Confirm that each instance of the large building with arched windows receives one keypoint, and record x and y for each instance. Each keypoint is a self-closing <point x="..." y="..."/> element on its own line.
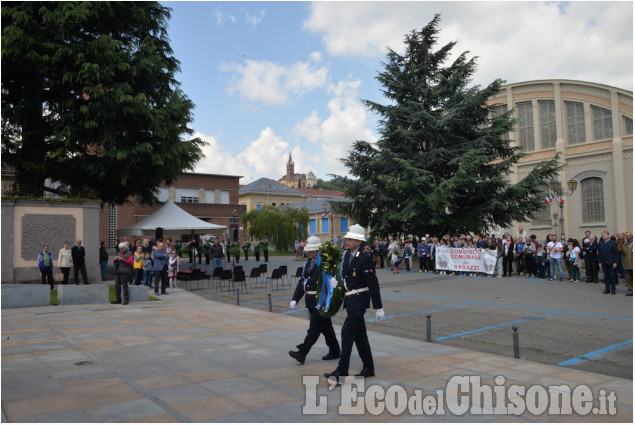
<point x="591" y="126"/>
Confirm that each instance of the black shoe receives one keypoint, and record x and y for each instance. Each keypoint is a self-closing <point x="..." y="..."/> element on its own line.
<point x="115" y="302"/>
<point x="330" y="356"/>
<point x="335" y="375"/>
<point x="157" y="294"/>
<point x="630" y="294"/>
<point x="613" y="292"/>
<point x="86" y="283"/>
<point x="606" y="292"/>
<point x="165" y="293"/>
<point x="124" y="303"/>
<point x="366" y="373"/>
<point x="298" y="356"/>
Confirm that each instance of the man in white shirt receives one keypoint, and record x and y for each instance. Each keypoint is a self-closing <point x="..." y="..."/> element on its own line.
<point x="555" y="248"/>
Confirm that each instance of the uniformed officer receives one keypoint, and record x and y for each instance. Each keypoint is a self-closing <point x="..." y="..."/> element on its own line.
<point x="318" y="324"/>
<point x="361" y="286"/>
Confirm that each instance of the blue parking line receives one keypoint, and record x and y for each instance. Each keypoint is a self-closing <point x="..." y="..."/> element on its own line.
<point x="522" y="307"/>
<point x="486" y="328"/>
<point x="421" y="311"/>
<point x="594" y="354"/>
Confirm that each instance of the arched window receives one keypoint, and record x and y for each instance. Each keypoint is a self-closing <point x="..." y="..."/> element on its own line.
<point x="592" y="200"/>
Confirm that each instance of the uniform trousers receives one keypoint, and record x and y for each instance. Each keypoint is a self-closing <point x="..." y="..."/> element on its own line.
<point x="354" y="331"/>
<point x="319" y="325"/>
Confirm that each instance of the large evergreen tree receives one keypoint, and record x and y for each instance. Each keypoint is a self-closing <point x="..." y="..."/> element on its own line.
<point x="89" y="98"/>
<point x="441" y="164"/>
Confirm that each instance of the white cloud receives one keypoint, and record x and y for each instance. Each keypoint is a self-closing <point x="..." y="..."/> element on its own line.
<point x="221" y="16"/>
<point x="267" y="155"/>
<point x="274" y="84"/>
<point x="516" y="41"/>
<point x="219" y="161"/>
<point x="254" y="19"/>
<point x="333" y="137"/>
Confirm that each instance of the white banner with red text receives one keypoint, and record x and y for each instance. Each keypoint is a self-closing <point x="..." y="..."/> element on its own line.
<point x="466" y="260"/>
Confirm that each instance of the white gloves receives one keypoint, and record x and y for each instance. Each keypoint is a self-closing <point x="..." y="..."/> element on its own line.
<point x="293" y="304"/>
<point x="333" y="282"/>
<point x="379" y="314"/>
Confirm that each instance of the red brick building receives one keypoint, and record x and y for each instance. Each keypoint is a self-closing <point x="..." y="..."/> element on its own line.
<point x="209" y="197"/>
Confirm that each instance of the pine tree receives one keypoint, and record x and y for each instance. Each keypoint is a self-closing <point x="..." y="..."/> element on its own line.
<point x="441" y="163"/>
<point x="89" y="99"/>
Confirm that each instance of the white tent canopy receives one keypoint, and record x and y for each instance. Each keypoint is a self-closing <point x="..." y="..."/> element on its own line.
<point x="172" y="219"/>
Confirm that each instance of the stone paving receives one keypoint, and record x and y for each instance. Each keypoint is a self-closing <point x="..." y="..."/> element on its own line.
<point x="188" y="359"/>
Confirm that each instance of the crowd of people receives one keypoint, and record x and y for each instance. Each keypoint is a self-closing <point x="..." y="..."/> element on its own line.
<point x="522" y="255"/>
<point x="156" y="262"/>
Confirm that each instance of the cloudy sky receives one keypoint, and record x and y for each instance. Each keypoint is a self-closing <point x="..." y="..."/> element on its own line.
<point x="273" y="78"/>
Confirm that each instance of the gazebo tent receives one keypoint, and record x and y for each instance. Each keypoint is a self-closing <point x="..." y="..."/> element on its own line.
<point x="171" y="218"/>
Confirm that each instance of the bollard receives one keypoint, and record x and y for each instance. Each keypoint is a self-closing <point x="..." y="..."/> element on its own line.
<point x="237" y="296"/>
<point x="270" y="308"/>
<point x="516" y="345"/>
<point x="428" y="328"/>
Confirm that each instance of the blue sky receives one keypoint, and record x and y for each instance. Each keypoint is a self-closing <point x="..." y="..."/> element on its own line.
<point x="273" y="78"/>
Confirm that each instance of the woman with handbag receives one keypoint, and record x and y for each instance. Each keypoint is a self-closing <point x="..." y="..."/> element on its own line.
<point x="64" y="262"/>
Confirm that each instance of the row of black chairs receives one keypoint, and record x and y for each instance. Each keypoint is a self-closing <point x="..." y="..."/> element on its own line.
<point x="257" y="278"/>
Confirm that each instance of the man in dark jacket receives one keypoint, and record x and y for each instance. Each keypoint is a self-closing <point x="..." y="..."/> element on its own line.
<point x="318" y="325"/>
<point x="607" y="257"/>
<point x="590" y="250"/>
<point x="78" y="253"/>
<point x="361" y="286"/>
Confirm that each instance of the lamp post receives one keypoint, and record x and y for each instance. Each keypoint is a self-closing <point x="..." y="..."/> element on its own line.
<point x="325" y="206"/>
<point x="558" y="190"/>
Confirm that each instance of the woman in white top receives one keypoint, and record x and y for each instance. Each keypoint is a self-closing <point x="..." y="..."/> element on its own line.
<point x="574" y="258"/>
<point x="64" y="262"/>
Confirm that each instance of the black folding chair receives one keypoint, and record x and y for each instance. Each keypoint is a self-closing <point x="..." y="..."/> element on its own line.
<point x="239" y="277"/>
<point x="255" y="274"/>
<point x="226" y="275"/>
<point x="263" y="271"/>
<point x="283" y="273"/>
<point x="216" y="276"/>
<point x="298" y="274"/>
<point x="275" y="275"/>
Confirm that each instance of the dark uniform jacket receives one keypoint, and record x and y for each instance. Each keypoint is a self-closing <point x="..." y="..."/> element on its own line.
<point x="359" y="272"/>
<point x="607" y="252"/>
<point x="590" y="251"/>
<point x="308" y="282"/>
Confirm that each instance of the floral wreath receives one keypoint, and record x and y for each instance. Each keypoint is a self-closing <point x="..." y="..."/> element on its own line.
<point x="330" y="295"/>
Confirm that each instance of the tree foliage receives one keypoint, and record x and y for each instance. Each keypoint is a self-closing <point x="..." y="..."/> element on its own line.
<point x="441" y="164"/>
<point x="282" y="226"/>
<point x="89" y="98"/>
<point x="330" y="185"/>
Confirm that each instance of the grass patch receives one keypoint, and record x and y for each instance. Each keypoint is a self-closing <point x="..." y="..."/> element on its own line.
<point x="54" y="297"/>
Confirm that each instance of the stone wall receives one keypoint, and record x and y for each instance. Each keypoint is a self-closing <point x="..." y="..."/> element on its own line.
<point x="29" y="224"/>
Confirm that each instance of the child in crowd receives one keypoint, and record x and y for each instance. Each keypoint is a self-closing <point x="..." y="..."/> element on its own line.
<point x="147" y="269"/>
<point x="395" y="261"/>
<point x="173" y="268"/>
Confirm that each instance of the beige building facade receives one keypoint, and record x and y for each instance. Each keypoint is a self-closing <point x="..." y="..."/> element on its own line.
<point x="591" y="126"/>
